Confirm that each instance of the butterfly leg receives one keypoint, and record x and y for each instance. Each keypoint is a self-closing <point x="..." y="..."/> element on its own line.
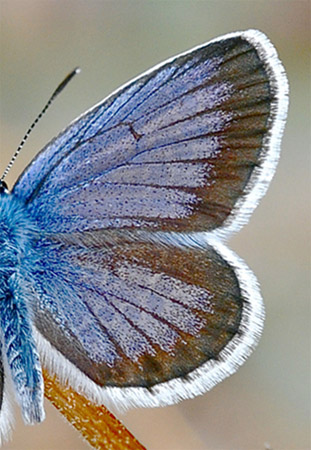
<point x="20" y="351"/>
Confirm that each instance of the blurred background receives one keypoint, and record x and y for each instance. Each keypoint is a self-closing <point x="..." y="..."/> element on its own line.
<point x="266" y="404"/>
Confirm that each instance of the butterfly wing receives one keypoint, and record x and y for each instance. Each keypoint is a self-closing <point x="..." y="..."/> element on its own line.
<point x="181" y="148"/>
<point x="122" y="311"/>
<point x="140" y="313"/>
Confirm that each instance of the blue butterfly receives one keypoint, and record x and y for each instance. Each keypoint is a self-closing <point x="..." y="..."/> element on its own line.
<point x="113" y="270"/>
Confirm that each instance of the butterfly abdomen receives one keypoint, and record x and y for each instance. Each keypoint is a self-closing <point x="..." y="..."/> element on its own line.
<point x="18" y="345"/>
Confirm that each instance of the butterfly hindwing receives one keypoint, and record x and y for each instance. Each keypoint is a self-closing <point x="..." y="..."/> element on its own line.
<point x="137" y="312"/>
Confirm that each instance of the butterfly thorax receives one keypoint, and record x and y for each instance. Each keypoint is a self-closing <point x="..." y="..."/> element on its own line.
<point x="16" y="230"/>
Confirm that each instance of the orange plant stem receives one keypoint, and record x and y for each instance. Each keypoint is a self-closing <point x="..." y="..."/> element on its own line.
<point x="97" y="424"/>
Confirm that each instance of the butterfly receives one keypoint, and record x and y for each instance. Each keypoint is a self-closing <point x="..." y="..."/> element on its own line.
<point x="114" y="273"/>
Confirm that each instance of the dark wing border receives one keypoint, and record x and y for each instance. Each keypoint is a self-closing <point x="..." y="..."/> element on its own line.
<point x="263" y="173"/>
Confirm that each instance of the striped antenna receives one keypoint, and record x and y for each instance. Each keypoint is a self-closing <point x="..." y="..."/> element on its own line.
<point x="57" y="91"/>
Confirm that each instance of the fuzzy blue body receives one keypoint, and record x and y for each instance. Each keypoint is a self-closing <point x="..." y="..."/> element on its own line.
<point x="17" y="256"/>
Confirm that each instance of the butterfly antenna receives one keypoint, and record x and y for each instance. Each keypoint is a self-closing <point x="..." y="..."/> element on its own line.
<point x="57" y="91"/>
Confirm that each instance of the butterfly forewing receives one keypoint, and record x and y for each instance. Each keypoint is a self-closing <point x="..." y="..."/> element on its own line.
<point x="174" y="150"/>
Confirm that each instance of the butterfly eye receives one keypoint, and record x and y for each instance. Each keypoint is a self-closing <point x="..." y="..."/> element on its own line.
<point x="3" y="187"/>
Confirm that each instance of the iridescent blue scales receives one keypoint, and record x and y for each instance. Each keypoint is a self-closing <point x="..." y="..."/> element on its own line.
<point x="120" y="280"/>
